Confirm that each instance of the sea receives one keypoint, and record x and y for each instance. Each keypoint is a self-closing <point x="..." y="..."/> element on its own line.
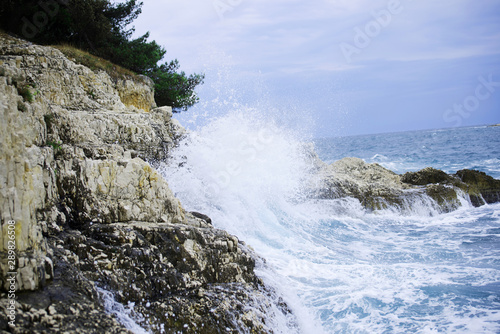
<point x="339" y="267"/>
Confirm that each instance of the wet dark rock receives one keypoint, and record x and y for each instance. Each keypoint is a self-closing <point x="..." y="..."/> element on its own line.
<point x="205" y="310"/>
<point x="69" y="304"/>
<point x="179" y="277"/>
<point x="426" y="176"/>
<point x="482" y="188"/>
<point x="202" y="216"/>
<point x="176" y="275"/>
<point x="445" y="195"/>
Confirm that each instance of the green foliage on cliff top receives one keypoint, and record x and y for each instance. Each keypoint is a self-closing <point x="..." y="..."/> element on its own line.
<point x="94" y="62"/>
<point x="173" y="88"/>
<point x="100" y="28"/>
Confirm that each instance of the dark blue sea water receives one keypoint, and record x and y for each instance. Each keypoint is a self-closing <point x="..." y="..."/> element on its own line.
<point x="447" y="149"/>
<point x="340" y="268"/>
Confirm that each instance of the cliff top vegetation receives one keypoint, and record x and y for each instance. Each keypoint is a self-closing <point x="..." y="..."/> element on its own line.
<point x="96" y="34"/>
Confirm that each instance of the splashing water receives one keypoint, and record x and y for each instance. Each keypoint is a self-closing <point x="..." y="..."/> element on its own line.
<point x="124" y="314"/>
<point x="341" y="269"/>
<point x="244" y="179"/>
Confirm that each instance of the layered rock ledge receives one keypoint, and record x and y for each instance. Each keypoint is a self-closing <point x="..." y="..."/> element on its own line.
<point x="90" y="212"/>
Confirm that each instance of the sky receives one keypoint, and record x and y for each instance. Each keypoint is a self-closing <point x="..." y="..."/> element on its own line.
<point x="337" y="67"/>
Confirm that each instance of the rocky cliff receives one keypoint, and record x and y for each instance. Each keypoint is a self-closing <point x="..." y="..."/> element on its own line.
<point x="88" y="211"/>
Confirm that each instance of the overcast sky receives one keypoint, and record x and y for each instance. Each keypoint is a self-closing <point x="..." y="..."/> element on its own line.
<point x="337" y="67"/>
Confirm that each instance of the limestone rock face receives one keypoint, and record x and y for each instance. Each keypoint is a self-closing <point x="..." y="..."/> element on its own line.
<point x="65" y="83"/>
<point x="374" y="186"/>
<point x="147" y="135"/>
<point x="137" y="94"/>
<point x="48" y="103"/>
<point x="88" y="211"/>
<point x="26" y="184"/>
<point x="107" y="191"/>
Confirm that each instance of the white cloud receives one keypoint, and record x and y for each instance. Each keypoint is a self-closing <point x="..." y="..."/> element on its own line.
<point x="294" y="37"/>
<point x="270" y="33"/>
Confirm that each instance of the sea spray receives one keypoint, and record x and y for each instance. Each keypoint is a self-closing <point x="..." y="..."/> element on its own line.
<point x="245" y="171"/>
<point x="240" y="156"/>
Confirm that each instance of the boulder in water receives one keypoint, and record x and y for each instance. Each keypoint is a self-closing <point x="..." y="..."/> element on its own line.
<point x="373" y="185"/>
<point x="378" y="188"/>
<point x="481" y="188"/>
